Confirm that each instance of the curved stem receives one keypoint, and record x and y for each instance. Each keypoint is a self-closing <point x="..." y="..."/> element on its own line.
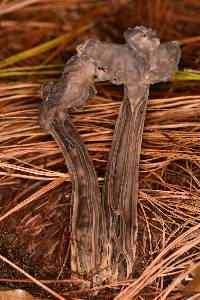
<point x="87" y="226"/>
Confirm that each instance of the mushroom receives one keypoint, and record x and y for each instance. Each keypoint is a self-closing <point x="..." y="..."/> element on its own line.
<point x="104" y="228"/>
<point x="87" y="216"/>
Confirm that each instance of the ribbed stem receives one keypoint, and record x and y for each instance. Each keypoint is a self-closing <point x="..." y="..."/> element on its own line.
<point x="121" y="184"/>
<point x="88" y="225"/>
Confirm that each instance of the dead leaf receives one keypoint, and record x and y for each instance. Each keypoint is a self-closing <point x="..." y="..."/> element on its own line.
<point x="17" y="294"/>
<point x="194" y="285"/>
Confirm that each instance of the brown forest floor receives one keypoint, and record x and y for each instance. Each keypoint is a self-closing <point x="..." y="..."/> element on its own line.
<point x="34" y="185"/>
